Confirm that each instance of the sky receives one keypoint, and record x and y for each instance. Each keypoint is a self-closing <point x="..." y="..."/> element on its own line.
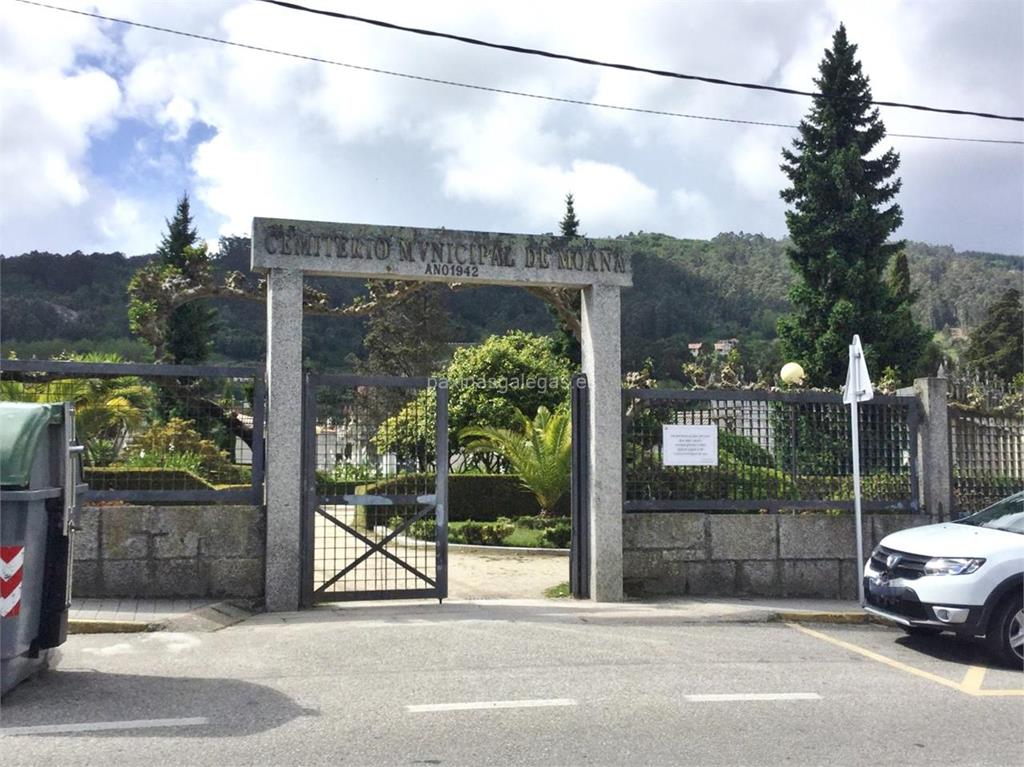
<point x="104" y="126"/>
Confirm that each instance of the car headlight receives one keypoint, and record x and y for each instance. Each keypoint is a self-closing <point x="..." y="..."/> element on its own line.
<point x="952" y="565"/>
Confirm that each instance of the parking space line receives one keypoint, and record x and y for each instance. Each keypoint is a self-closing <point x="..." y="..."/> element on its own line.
<point x="731" y="697"/>
<point x="879" y="658"/>
<point x="973" y="678"/>
<point x="132" y="724"/>
<point x="969" y="685"/>
<point x="490" y="704"/>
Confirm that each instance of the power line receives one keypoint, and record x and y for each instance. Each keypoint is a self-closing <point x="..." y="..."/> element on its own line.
<point x="611" y="65"/>
<point x="471" y="86"/>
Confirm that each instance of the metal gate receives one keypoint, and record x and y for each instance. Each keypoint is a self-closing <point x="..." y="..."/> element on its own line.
<point x="579" y="552"/>
<point x="375" y="518"/>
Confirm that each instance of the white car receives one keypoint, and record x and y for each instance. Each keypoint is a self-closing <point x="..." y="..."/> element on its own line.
<point x="966" y="577"/>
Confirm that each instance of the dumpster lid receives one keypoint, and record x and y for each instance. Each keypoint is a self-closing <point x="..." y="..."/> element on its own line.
<point x="21" y="425"/>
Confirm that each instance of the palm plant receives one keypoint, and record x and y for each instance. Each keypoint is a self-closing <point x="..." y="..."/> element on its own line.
<point x="107" y="410"/>
<point x="540" y="452"/>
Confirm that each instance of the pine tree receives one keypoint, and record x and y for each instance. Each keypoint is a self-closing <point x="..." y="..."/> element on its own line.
<point x="997" y="344"/>
<point x="569" y="225"/>
<point x="566" y="343"/>
<point x="843" y="214"/>
<point x="190" y="328"/>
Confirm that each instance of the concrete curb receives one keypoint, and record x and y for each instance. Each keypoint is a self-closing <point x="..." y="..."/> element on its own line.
<point x="507" y="551"/>
<point x="827" y="617"/>
<point x="209" y="618"/>
<point x="83" y="626"/>
<point x="213" y="617"/>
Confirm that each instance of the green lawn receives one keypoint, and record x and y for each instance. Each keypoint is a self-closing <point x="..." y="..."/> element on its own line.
<point x="522" y="536"/>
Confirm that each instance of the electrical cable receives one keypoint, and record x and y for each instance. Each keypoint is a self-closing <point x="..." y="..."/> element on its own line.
<point x="471" y="86"/>
<point x="611" y="65"/>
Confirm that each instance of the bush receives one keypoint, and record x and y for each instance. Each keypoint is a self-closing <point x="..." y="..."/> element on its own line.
<point x="480" y="497"/>
<point x="559" y="536"/>
<point x="422" y="529"/>
<point x="541" y="523"/>
<point x="482" y="533"/>
<point x="126" y="478"/>
<point x="177" y="444"/>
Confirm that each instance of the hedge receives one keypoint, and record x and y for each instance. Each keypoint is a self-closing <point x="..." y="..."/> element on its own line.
<point x="147" y="478"/>
<point x="480" y="497"/>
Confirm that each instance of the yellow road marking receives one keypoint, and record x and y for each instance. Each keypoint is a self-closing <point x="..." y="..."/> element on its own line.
<point x="970" y="685"/>
<point x="973" y="678"/>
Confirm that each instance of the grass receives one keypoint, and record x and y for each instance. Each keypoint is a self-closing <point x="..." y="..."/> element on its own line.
<point x="522" y="537"/>
<point x="527" y="539"/>
<point x="561" y="591"/>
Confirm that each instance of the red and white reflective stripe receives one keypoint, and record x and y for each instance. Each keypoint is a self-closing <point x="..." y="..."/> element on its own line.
<point x="11" y="560"/>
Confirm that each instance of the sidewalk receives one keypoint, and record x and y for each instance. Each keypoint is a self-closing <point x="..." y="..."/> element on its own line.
<point x="139" y="610"/>
<point x="678" y="611"/>
<point x="109" y="616"/>
<point x="133" y="615"/>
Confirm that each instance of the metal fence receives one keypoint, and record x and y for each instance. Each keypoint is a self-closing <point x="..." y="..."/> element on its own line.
<point x="986" y="453"/>
<point x="374" y="520"/>
<point x="776" y="451"/>
<point x="156" y="433"/>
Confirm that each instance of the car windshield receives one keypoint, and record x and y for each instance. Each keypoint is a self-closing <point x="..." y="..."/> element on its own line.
<point x="1007" y="514"/>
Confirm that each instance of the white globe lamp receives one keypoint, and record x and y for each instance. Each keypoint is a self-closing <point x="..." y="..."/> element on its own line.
<point x="792" y="373"/>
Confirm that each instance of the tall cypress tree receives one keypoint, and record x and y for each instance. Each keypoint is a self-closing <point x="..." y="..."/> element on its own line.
<point x="190" y="328"/>
<point x="566" y="343"/>
<point x="569" y="225"/>
<point x="843" y="214"/>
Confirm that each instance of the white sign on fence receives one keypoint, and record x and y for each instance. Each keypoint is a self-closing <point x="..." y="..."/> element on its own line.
<point x="683" y="445"/>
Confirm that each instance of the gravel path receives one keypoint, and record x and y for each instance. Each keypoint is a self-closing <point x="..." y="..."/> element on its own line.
<point x="474" y="575"/>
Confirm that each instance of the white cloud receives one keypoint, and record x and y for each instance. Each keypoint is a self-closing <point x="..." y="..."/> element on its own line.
<point x="304" y="139"/>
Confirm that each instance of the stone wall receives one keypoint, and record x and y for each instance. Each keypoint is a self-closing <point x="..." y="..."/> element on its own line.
<point x="170" y="552"/>
<point x="791" y="555"/>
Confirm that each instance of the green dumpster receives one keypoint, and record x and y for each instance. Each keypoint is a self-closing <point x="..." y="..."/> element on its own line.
<point x="39" y="483"/>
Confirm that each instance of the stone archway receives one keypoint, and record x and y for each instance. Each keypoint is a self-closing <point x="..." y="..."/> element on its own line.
<point x="287" y="250"/>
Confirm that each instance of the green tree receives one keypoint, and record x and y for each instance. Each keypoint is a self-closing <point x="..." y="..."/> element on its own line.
<point x="407" y="333"/>
<point x="539" y="451"/>
<point x="490" y="385"/>
<point x="843" y="214"/>
<point x="190" y="327"/>
<point x="567" y="343"/>
<point x="569" y="225"/>
<point x="997" y="344"/>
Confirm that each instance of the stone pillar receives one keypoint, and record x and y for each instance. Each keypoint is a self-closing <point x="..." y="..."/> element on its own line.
<point x="284" y="439"/>
<point x="934" y="470"/>
<point x="602" y="364"/>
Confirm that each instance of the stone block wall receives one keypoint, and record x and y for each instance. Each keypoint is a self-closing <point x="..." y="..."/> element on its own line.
<point x="775" y="555"/>
<point x="170" y="552"/>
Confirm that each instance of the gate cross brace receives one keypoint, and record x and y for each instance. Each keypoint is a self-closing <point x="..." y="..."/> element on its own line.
<point x="375" y="547"/>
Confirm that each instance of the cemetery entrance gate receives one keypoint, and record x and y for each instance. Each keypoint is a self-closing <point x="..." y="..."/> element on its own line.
<point x="375" y="488"/>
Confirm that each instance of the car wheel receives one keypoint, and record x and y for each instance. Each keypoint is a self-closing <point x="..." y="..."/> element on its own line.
<point x="1005" y="636"/>
<point x="922" y="631"/>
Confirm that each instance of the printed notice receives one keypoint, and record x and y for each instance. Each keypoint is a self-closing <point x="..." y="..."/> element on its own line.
<point x="689" y="445"/>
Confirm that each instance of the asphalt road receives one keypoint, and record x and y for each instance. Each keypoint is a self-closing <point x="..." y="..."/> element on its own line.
<point x="545" y="684"/>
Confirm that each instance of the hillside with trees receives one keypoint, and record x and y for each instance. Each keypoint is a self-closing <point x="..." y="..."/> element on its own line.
<point x="734" y="285"/>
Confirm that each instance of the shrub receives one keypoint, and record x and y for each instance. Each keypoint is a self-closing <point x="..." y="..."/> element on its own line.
<point x="125" y="478"/>
<point x="187" y="461"/>
<point x="482" y="533"/>
<point x="559" y="536"/>
<point x="422" y="529"/>
<point x="540" y="523"/>
<point x="480" y="497"/>
<point x="164" y="443"/>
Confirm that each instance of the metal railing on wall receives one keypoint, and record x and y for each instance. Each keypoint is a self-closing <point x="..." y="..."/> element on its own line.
<point x="157" y="433"/>
<point x="986" y="457"/>
<point x="775" y="451"/>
